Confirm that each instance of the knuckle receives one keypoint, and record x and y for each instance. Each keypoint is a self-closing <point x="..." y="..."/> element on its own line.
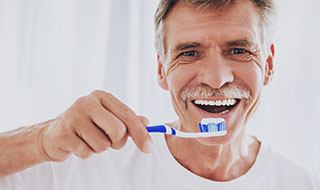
<point x="98" y="93"/>
<point x="69" y="122"/>
<point x="121" y="130"/>
<point x="61" y="136"/>
<point x="85" y="104"/>
<point x="82" y="101"/>
<point x="118" y="133"/>
<point x="62" y="132"/>
<point x="92" y="107"/>
<point x="108" y="94"/>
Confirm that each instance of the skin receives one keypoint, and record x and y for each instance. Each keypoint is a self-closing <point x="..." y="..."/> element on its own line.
<point x="215" y="48"/>
<point x="92" y="124"/>
<point x="99" y="120"/>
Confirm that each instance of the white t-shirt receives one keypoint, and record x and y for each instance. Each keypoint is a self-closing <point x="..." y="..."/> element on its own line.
<point x="129" y="169"/>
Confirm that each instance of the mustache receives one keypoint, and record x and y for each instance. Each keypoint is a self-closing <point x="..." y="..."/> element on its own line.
<point x="204" y="91"/>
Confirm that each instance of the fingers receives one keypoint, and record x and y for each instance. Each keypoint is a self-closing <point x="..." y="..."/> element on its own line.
<point x="119" y="144"/>
<point x="93" y="124"/>
<point x="110" y="124"/>
<point x="83" y="151"/>
<point x="93" y="136"/>
<point x="133" y="123"/>
<point x="144" y="120"/>
<point x="77" y="145"/>
<point x="101" y="138"/>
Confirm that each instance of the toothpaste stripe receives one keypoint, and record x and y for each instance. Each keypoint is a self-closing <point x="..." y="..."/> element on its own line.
<point x="212" y="127"/>
<point x="200" y="127"/>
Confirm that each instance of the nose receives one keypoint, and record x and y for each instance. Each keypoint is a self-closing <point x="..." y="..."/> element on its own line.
<point x="215" y="72"/>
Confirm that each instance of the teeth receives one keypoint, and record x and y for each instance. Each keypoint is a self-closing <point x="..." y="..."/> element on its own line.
<point x="225" y="111"/>
<point x="225" y="102"/>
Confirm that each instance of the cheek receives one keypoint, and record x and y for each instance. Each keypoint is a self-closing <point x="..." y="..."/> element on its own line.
<point x="180" y="77"/>
<point x="252" y="77"/>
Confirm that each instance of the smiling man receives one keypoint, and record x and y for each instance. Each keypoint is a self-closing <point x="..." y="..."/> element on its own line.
<point x="214" y="61"/>
<point x="214" y="57"/>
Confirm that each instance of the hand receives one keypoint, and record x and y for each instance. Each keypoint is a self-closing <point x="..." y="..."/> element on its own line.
<point x="92" y="125"/>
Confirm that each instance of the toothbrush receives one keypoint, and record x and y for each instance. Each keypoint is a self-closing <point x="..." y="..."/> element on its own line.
<point x="209" y="127"/>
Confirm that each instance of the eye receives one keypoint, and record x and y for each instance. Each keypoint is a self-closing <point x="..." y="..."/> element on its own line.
<point x="239" y="54"/>
<point x="188" y="56"/>
<point x="189" y="53"/>
<point x="235" y="51"/>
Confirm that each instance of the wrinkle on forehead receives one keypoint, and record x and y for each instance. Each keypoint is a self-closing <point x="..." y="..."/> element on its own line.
<point x="239" y="13"/>
<point x="185" y="19"/>
<point x="209" y="19"/>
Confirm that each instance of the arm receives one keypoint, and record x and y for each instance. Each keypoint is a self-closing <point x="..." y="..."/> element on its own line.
<point x="21" y="149"/>
<point x="91" y="125"/>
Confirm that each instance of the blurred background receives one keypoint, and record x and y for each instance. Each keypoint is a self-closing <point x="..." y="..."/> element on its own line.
<point x="54" y="51"/>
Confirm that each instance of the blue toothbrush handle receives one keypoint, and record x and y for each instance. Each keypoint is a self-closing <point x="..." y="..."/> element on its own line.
<point x="161" y="129"/>
<point x="156" y="129"/>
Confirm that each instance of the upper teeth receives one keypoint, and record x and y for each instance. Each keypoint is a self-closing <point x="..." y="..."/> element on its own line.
<point x="225" y="102"/>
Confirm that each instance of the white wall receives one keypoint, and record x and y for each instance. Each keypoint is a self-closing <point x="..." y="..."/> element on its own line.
<point x="289" y="113"/>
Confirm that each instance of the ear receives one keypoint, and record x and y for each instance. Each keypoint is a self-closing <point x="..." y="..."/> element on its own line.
<point x="269" y="70"/>
<point x="162" y="80"/>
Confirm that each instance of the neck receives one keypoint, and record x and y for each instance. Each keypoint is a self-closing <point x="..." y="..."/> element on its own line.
<point x="215" y="162"/>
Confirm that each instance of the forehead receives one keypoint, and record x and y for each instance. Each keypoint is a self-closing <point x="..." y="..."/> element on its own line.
<point x="187" y="23"/>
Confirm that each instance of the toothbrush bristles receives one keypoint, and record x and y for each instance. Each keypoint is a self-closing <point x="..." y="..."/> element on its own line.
<point x="212" y="127"/>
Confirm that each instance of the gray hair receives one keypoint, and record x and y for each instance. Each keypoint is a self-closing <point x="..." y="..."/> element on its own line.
<point x="266" y="10"/>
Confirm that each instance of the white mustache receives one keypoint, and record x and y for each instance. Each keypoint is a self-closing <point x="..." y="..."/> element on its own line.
<point x="205" y="91"/>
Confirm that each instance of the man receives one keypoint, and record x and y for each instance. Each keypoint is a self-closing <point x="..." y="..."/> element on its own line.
<point x="214" y="57"/>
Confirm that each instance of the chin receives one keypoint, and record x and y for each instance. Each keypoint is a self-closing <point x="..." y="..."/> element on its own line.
<point x="221" y="140"/>
<point x="214" y="141"/>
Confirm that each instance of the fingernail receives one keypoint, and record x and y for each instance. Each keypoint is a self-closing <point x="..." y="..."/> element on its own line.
<point x="148" y="146"/>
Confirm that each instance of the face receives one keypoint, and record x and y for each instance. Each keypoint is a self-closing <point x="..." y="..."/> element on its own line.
<point x="214" y="66"/>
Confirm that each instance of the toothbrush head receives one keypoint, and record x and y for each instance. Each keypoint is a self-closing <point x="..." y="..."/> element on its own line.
<point x="209" y="127"/>
<point x="213" y="125"/>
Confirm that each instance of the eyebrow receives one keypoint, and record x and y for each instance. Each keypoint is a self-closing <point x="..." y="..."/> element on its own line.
<point x="186" y="45"/>
<point x="240" y="42"/>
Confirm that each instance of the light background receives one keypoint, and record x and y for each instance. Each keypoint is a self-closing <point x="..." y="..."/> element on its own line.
<point x="54" y="51"/>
